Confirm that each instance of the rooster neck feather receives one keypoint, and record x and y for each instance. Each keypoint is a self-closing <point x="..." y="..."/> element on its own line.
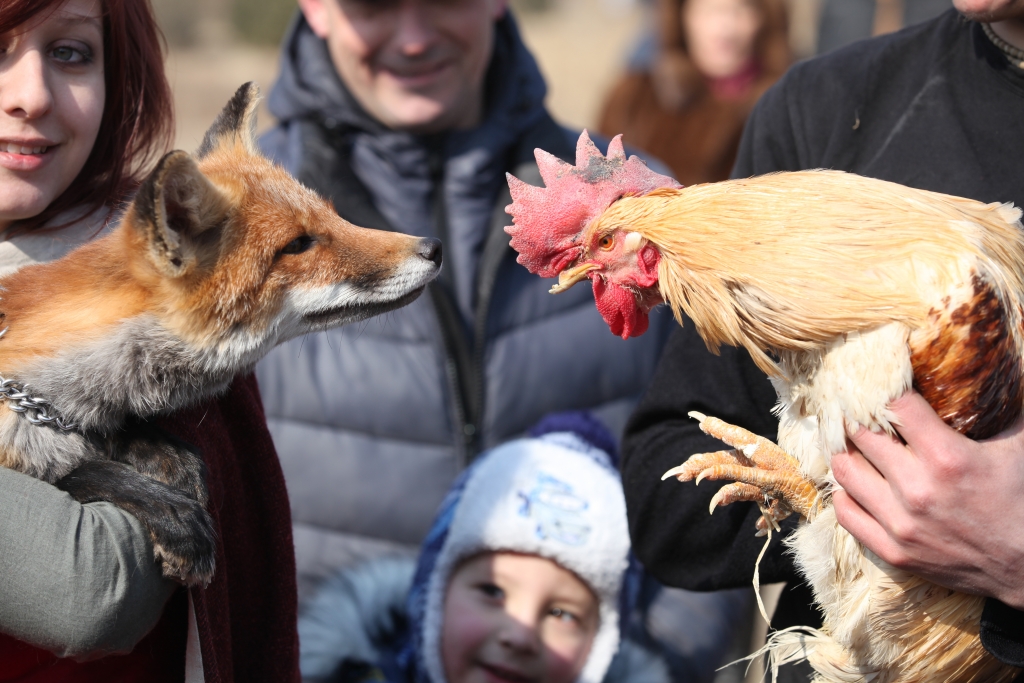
<point x="825" y="254"/>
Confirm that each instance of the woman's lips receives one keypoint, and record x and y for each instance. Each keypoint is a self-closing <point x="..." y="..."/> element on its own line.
<point x="24" y="157"/>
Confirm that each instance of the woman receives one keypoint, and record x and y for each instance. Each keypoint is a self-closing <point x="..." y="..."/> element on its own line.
<point x="715" y="58"/>
<point x="84" y="106"/>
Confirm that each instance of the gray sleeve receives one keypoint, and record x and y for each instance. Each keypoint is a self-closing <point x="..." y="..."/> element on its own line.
<point x="74" y="579"/>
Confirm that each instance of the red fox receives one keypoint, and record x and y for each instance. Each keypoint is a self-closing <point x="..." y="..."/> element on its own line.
<point x="220" y="257"/>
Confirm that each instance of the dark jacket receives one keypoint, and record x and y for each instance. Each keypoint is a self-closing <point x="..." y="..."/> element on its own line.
<point x="373" y="422"/>
<point x="935" y="107"/>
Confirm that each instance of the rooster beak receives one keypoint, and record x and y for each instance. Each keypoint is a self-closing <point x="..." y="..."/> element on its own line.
<point x="567" y="278"/>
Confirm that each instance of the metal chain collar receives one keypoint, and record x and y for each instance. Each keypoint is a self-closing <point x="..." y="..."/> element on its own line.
<point x="36" y="410"/>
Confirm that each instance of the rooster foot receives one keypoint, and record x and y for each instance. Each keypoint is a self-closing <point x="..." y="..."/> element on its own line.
<point x="762" y="472"/>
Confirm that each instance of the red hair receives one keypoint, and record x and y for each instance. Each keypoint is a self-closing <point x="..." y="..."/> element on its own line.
<point x="138" y="115"/>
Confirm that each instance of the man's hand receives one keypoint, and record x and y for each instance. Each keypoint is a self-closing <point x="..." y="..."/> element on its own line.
<point x="944" y="507"/>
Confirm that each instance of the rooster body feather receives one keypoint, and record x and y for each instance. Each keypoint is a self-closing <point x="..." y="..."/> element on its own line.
<point x="848" y="292"/>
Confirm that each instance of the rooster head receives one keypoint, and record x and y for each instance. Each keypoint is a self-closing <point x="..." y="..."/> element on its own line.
<point x="556" y="232"/>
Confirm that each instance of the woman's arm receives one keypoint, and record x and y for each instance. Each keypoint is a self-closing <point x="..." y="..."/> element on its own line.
<point x="76" y="579"/>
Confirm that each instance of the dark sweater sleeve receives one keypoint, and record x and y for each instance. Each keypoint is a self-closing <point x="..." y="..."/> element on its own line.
<point x="769" y="143"/>
<point x="673" y="534"/>
<point x="1002" y="632"/>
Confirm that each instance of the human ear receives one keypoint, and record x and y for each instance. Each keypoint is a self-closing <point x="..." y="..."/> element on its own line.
<point x="316" y="14"/>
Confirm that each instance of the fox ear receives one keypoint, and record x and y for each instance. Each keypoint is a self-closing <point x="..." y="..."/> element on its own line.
<point x="236" y="124"/>
<point x="175" y="209"/>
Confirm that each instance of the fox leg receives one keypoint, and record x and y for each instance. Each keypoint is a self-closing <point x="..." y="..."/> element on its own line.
<point x="161" y="481"/>
<point x="184" y="540"/>
<point x="160" y="455"/>
<point x="763" y="472"/>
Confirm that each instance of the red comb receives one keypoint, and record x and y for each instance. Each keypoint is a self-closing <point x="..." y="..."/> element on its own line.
<point x="549" y="220"/>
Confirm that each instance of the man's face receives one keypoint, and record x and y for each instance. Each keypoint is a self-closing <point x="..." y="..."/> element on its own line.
<point x="991" y="10"/>
<point x="416" y="65"/>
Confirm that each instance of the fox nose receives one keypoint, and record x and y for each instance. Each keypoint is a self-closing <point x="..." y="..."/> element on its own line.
<point x="430" y="249"/>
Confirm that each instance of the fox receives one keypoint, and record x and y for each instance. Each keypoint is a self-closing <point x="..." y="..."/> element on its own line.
<point x="220" y="256"/>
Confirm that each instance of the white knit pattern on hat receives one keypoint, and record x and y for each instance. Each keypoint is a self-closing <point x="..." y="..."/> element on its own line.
<point x="550" y="497"/>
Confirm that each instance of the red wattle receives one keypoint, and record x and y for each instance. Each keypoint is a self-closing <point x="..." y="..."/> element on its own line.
<point x="617" y="306"/>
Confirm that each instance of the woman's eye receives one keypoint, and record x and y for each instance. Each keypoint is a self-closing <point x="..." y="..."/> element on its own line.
<point x="298" y="245"/>
<point x="68" y="54"/>
<point x="606" y="242"/>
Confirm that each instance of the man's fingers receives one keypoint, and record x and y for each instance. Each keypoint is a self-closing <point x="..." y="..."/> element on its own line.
<point x="865" y="528"/>
<point x="918" y="423"/>
<point x="861" y="481"/>
<point x="883" y="451"/>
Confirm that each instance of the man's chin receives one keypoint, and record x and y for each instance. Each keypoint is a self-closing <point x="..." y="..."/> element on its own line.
<point x="415" y="112"/>
<point x="991" y="10"/>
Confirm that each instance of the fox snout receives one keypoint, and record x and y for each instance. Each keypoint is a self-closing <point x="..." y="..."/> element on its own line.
<point x="393" y="270"/>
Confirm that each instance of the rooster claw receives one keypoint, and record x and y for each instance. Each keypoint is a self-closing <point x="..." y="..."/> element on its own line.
<point x="761" y="472"/>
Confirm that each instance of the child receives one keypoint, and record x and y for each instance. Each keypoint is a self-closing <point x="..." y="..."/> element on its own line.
<point x="525" y="576"/>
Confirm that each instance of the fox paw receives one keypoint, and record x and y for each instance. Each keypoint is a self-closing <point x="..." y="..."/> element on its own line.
<point x="185" y="543"/>
<point x="181" y="530"/>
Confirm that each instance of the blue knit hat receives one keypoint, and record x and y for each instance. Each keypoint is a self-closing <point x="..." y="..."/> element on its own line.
<point x="557" y="496"/>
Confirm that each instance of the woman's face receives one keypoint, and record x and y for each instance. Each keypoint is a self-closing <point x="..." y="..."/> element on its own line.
<point x="51" y="103"/>
<point x="720" y="34"/>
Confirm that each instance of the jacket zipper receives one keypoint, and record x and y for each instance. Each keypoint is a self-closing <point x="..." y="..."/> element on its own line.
<point x="460" y="354"/>
<point x="465" y="357"/>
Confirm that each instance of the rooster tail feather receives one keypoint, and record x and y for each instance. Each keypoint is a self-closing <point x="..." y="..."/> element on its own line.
<point x="831" y="661"/>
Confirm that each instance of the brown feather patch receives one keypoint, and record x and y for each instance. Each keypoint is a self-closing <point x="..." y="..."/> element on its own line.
<point x="969" y="369"/>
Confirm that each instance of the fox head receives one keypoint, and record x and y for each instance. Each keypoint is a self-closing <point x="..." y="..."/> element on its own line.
<point x="242" y="248"/>
<point x="220" y="256"/>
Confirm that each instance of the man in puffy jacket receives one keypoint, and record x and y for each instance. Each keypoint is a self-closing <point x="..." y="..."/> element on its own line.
<point x="407" y="114"/>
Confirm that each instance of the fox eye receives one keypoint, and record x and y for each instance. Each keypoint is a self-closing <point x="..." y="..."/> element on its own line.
<point x="606" y="242"/>
<point x="298" y="245"/>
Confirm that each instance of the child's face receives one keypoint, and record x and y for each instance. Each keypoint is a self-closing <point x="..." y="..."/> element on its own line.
<point x="516" y="618"/>
<point x="51" y="104"/>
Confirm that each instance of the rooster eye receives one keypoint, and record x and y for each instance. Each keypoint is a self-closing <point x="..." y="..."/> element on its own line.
<point x="606" y="242"/>
<point x="298" y="245"/>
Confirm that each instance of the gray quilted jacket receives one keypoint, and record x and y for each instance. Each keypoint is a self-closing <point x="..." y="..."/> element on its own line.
<point x="373" y="421"/>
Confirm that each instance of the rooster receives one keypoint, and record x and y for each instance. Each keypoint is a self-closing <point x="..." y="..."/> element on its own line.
<point x="847" y="291"/>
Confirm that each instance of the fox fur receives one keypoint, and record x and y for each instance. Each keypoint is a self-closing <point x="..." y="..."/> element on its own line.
<point x="221" y="256"/>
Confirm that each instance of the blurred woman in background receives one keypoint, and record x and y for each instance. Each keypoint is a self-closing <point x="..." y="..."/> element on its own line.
<point x="714" y="59"/>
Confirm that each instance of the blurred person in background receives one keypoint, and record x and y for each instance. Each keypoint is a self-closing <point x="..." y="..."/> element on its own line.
<point x="688" y="105"/>
<point x="407" y="114"/>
